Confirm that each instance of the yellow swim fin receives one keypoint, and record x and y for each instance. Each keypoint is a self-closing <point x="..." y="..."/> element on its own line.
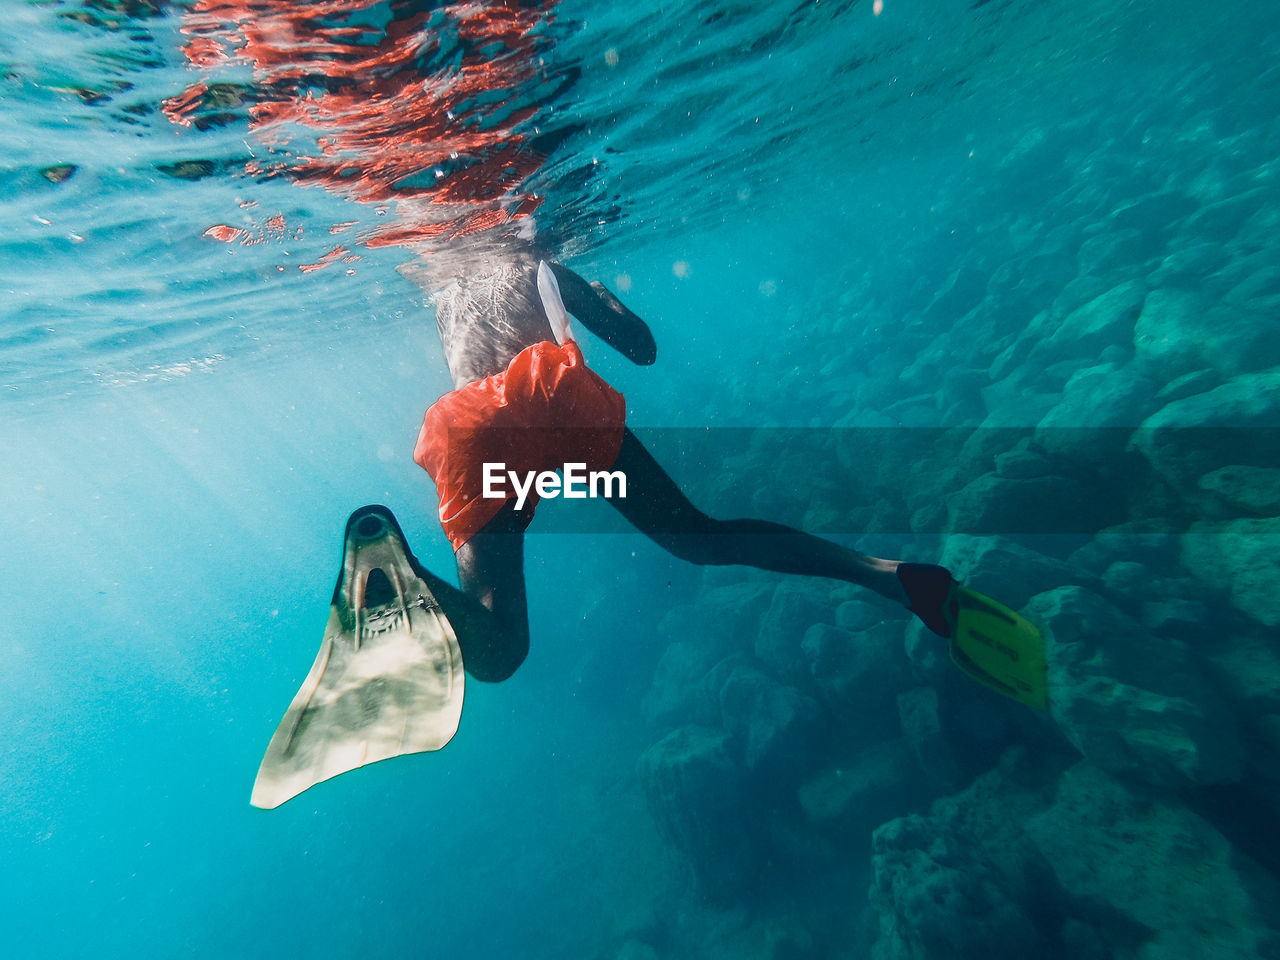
<point x="998" y="647"/>
<point x="388" y="679"/>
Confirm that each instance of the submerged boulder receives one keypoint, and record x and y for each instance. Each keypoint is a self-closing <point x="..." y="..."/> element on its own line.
<point x="1247" y="669"/>
<point x="1084" y="430"/>
<point x="1004" y="568"/>
<point x="675" y="694"/>
<point x="922" y="729"/>
<point x="699" y="799"/>
<point x="1187" y="266"/>
<point x="857" y="674"/>
<point x="963" y="881"/>
<point x="992" y="504"/>
<point x="851" y="798"/>
<point x="1242" y="558"/>
<point x="1253" y="490"/>
<point x="723" y="621"/>
<point x="774" y="727"/>
<point x="1233" y="424"/>
<point x="938" y="898"/>
<point x="795" y="606"/>
<point x="1106" y="319"/>
<point x="1179" y="332"/>
<point x="1223" y="220"/>
<point x="927" y="654"/>
<point x="1122" y="849"/>
<point x="1135" y="705"/>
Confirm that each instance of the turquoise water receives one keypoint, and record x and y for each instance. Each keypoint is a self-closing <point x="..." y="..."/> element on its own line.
<point x="897" y="231"/>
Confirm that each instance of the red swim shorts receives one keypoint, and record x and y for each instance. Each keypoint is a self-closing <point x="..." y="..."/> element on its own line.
<point x="545" y="410"/>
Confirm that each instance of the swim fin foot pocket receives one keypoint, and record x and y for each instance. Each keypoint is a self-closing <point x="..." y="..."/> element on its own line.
<point x="993" y="644"/>
<point x="928" y="588"/>
<point x="388" y="679"/>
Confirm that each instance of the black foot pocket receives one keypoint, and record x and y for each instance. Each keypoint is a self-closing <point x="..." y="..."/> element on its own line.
<point x="928" y="588"/>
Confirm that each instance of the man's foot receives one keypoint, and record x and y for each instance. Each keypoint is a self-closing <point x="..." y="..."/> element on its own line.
<point x="928" y="587"/>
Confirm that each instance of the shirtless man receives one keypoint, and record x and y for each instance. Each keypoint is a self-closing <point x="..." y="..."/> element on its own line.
<point x="388" y="678"/>
<point x="524" y="395"/>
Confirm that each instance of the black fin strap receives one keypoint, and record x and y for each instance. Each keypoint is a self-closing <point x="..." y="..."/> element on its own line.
<point x="928" y="587"/>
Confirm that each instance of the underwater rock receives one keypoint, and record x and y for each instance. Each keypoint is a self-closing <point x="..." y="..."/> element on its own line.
<point x="960" y="293"/>
<point x="1230" y="425"/>
<point x="1021" y="463"/>
<point x="1019" y="400"/>
<point x="773" y="726"/>
<point x="1105" y="320"/>
<point x="938" y="899"/>
<point x="959" y="882"/>
<point x="922" y="730"/>
<point x="851" y="798"/>
<point x="1179" y="332"/>
<point x="920" y="410"/>
<point x="1127" y="581"/>
<point x="857" y="675"/>
<point x="699" y="800"/>
<point x="728" y="611"/>
<point x="1252" y="489"/>
<point x="1135" y="705"/>
<point x="1166" y="606"/>
<point x="59" y="172"/>
<point x="1074" y="294"/>
<point x="977" y="455"/>
<point x="960" y="396"/>
<point x="926" y="653"/>
<point x="1265" y="306"/>
<point x="992" y="504"/>
<point x="1188" y="266"/>
<point x="722" y="621"/>
<point x="676" y="695"/>
<point x="1080" y="431"/>
<point x="1004" y="568"/>
<point x="1008" y="360"/>
<point x="1221" y="221"/>
<point x="856" y="615"/>
<point x="1153" y="212"/>
<point x="1247" y="670"/>
<point x="1178" y="617"/>
<point x="795" y="606"/>
<point x="1120" y="848"/>
<point x="1118" y="250"/>
<point x="930" y="518"/>
<point x="1128" y="541"/>
<point x="1241" y="558"/>
<point x="1197" y="381"/>
<point x="1262" y="281"/>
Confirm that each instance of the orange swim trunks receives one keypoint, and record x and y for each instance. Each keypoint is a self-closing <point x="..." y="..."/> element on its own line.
<point x="545" y="410"/>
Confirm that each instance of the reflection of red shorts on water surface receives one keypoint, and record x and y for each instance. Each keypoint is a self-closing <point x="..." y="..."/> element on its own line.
<point x="545" y="410"/>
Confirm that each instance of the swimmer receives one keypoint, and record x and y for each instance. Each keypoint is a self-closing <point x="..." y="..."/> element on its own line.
<point x="523" y="395"/>
<point x="389" y="681"/>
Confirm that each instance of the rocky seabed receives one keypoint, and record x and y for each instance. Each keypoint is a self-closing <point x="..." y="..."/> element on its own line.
<point x="1093" y="387"/>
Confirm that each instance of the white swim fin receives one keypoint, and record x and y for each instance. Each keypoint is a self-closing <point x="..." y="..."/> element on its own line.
<point x="549" y="291"/>
<point x="388" y="679"/>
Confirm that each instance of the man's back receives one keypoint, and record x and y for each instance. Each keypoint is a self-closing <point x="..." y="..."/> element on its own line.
<point x="488" y="313"/>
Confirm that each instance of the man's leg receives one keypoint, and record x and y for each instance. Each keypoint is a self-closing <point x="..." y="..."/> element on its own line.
<point x="658" y="509"/>
<point x="489" y="614"/>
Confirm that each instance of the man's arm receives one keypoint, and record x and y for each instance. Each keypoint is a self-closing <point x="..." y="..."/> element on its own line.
<point x="605" y="315"/>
